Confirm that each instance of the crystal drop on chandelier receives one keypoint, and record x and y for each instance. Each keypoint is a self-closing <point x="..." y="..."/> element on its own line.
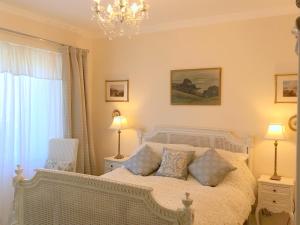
<point x="120" y="17"/>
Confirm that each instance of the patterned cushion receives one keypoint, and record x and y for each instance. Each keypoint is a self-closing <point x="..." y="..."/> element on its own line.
<point x="144" y="162"/>
<point x="210" y="169"/>
<point x="174" y="163"/>
<point x="59" y="165"/>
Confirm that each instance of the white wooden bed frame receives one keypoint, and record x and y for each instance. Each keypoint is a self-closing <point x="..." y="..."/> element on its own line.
<point x="65" y="198"/>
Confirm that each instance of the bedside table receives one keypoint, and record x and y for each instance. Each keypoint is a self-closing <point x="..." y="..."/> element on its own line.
<point x="275" y="196"/>
<point x="110" y="163"/>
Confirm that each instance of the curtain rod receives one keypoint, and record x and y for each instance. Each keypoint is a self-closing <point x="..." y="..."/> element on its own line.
<point x="31" y="36"/>
<point x="36" y="37"/>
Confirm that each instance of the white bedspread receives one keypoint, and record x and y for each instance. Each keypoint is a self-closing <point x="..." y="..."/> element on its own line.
<point x="227" y="204"/>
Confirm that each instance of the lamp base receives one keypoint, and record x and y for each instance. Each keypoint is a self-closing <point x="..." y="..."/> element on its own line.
<point x="275" y="177"/>
<point x="119" y="156"/>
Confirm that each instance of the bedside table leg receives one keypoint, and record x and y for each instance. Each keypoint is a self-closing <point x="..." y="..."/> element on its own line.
<point x="257" y="211"/>
<point x="292" y="218"/>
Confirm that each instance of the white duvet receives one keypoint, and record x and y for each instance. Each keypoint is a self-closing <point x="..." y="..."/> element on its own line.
<point x="227" y="204"/>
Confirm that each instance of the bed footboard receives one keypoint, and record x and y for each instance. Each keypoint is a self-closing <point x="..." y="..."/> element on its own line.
<point x="64" y="198"/>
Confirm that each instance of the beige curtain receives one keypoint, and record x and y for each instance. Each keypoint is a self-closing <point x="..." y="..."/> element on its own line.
<point x="75" y="100"/>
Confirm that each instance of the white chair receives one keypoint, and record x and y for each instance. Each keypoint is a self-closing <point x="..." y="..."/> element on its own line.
<point x="62" y="154"/>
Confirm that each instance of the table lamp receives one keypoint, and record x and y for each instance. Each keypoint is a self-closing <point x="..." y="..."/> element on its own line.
<point x="276" y="132"/>
<point x="119" y="123"/>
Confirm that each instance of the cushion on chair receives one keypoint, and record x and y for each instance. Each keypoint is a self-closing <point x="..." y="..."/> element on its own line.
<point x="174" y="163"/>
<point x="62" y="154"/>
<point x="59" y="165"/>
<point x="210" y="169"/>
<point x="144" y="162"/>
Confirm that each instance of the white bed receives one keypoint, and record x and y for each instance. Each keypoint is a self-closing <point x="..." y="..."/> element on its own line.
<point x="121" y="198"/>
<point x="229" y="202"/>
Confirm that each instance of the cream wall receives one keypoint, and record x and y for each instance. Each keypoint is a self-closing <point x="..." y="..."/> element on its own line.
<point x="249" y="52"/>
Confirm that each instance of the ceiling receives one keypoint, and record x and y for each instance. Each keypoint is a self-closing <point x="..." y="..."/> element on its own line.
<point x="164" y="14"/>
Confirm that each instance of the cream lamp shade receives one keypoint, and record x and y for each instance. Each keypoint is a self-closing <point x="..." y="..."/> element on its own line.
<point x="119" y="123"/>
<point x="275" y="132"/>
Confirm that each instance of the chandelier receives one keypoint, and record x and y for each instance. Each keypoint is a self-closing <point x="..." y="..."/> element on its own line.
<point x="120" y="17"/>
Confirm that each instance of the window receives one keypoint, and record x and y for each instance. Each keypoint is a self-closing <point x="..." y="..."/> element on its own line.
<point x="31" y="112"/>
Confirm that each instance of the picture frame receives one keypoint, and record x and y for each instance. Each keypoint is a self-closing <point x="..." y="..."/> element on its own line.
<point x="286" y="86"/>
<point x="196" y="86"/>
<point x="117" y="90"/>
<point x="293" y="123"/>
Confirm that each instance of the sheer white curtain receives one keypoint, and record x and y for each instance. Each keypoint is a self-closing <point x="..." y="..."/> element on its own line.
<point x="31" y="112"/>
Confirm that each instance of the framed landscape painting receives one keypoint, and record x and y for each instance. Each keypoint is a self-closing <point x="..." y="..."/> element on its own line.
<point x="117" y="90"/>
<point x="196" y="86"/>
<point x="286" y="88"/>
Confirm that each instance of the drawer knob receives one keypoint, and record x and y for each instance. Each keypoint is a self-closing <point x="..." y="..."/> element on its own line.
<point x="111" y="166"/>
<point x="274" y="190"/>
<point x="274" y="201"/>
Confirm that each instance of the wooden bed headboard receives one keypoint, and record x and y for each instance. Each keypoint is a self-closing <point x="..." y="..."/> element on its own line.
<point x="199" y="137"/>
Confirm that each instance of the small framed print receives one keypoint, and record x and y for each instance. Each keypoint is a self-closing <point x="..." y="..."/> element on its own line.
<point x="286" y="88"/>
<point x="116" y="90"/>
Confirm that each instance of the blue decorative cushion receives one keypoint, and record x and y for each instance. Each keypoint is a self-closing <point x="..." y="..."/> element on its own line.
<point x="144" y="162"/>
<point x="174" y="163"/>
<point x="210" y="169"/>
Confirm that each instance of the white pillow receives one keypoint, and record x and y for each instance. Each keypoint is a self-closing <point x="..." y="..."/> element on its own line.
<point x="233" y="156"/>
<point x="199" y="151"/>
<point x="159" y="147"/>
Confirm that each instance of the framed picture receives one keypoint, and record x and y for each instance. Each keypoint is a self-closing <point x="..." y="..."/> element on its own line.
<point x="196" y="86"/>
<point x="117" y="90"/>
<point x="286" y="86"/>
<point x="293" y="123"/>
